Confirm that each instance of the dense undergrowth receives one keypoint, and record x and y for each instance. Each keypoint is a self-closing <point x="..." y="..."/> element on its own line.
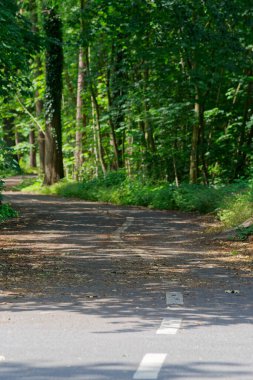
<point x="232" y="203"/>
<point x="6" y="211"/>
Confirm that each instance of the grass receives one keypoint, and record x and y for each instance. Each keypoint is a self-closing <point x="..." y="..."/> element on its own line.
<point x="231" y="203"/>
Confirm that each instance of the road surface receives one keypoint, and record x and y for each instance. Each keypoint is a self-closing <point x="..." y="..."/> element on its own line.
<point x="90" y="291"/>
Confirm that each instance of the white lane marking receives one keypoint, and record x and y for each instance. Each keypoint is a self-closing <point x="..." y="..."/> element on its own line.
<point x="169" y="326"/>
<point x="120" y="230"/>
<point x="174" y="298"/>
<point x="2" y="358"/>
<point x="150" y="366"/>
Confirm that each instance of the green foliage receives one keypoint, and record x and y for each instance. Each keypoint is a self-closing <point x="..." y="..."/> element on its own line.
<point x="18" y="43"/>
<point x="54" y="62"/>
<point x="7" y="212"/>
<point x="244" y="233"/>
<point x="7" y="162"/>
<point x="27" y="182"/>
<point x="237" y="208"/>
<point x="1" y="189"/>
<point x="233" y="199"/>
<point x="197" y="197"/>
<point x="148" y="66"/>
<point x="234" y="253"/>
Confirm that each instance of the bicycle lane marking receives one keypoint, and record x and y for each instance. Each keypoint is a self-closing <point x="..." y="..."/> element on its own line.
<point x="150" y="366"/>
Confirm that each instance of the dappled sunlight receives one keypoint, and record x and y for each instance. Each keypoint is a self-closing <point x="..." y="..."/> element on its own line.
<point x="137" y="309"/>
<point x="75" y="256"/>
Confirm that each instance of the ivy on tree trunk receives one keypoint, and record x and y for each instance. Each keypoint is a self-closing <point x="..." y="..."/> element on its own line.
<point x="53" y="95"/>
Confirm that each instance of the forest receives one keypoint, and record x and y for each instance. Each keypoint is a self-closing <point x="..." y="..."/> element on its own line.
<point x="153" y="97"/>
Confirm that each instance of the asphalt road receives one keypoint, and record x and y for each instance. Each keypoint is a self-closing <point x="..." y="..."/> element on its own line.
<point x="100" y="292"/>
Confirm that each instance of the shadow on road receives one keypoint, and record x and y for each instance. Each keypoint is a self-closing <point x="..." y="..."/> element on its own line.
<point x="70" y="255"/>
<point x="110" y="370"/>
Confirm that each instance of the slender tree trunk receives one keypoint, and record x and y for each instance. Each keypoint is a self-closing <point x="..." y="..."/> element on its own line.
<point x="38" y="100"/>
<point x="54" y="64"/>
<point x="41" y="136"/>
<point x="95" y="146"/>
<point x="244" y="142"/>
<point x="118" y="90"/>
<point x="175" y="170"/>
<point x="202" y="158"/>
<point x="17" y="142"/>
<point x="197" y="149"/>
<point x="32" y="141"/>
<point x="71" y="88"/>
<point x="97" y="116"/>
<point x="195" y="144"/>
<point x="98" y="133"/>
<point x="80" y="117"/>
<point x="9" y="134"/>
<point x="112" y="126"/>
<point x="148" y="127"/>
<point x="32" y="136"/>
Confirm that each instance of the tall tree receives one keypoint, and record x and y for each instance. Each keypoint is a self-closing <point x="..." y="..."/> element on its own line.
<point x="53" y="97"/>
<point x="81" y="118"/>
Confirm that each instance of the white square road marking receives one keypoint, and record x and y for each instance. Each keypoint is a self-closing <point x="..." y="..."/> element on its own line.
<point x="174" y="298"/>
<point x="150" y="366"/>
<point x="169" y="326"/>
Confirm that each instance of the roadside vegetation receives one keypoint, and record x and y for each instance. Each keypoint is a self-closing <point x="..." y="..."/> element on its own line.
<point x="144" y="102"/>
<point x="8" y="167"/>
<point x="6" y="211"/>
<point x="232" y="204"/>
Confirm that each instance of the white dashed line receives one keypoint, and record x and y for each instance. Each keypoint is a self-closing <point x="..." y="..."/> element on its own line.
<point x="150" y="366"/>
<point x="169" y="326"/>
<point x="120" y="230"/>
<point x="174" y="298"/>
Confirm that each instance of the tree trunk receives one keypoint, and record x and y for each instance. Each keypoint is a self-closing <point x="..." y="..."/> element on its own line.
<point x="33" y="162"/>
<point x="96" y="109"/>
<point x="54" y="64"/>
<point x="195" y="144"/>
<point x="242" y="144"/>
<point x="202" y="158"/>
<point x="9" y="135"/>
<point x="17" y="142"/>
<point x="80" y="117"/>
<point x="118" y="85"/>
<point x="95" y="146"/>
<point x="38" y="100"/>
<point x="98" y="133"/>
<point x="148" y="127"/>
<point x="41" y="134"/>
<point x="112" y="126"/>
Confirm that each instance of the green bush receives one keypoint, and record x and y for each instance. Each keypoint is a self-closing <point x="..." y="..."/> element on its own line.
<point x="243" y="233"/>
<point x="200" y="198"/>
<point x="114" y="178"/>
<point x="132" y="192"/>
<point x="237" y="208"/>
<point x="6" y="212"/>
<point x="8" y="165"/>
<point x="163" y="198"/>
<point x="233" y="203"/>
